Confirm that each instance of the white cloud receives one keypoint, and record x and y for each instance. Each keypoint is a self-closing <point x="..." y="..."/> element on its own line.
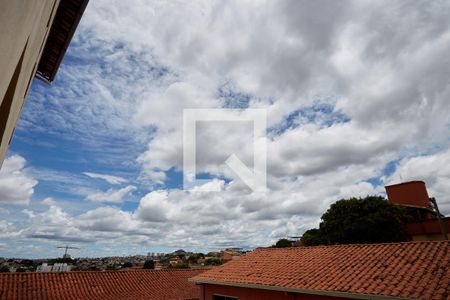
<point x="16" y="186"/>
<point x="111" y="179"/>
<point x="384" y="79"/>
<point x="106" y="219"/>
<point x="112" y="195"/>
<point x="49" y="201"/>
<point x="379" y="84"/>
<point x="213" y="185"/>
<point x="152" y="207"/>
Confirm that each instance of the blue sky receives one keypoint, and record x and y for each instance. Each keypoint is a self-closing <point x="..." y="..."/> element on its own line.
<point x="353" y="104"/>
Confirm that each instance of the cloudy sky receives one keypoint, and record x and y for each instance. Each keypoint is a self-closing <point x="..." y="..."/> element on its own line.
<point x="357" y="95"/>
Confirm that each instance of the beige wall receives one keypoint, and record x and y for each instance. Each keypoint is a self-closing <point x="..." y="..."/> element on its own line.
<point x="24" y="26"/>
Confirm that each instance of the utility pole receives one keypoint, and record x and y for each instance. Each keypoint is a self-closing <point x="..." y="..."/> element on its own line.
<point x="441" y="223"/>
<point x="66" y="248"/>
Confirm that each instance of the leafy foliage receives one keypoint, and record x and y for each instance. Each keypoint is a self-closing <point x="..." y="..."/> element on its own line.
<point x="359" y="220"/>
<point x="180" y="266"/>
<point x="111" y="267"/>
<point x="313" y="237"/>
<point x="213" y="262"/>
<point x="283" y="243"/>
<point x="4" y="269"/>
<point x="149" y="264"/>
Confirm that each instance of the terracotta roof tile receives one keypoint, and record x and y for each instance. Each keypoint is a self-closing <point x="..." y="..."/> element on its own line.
<point x="144" y="284"/>
<point x="419" y="270"/>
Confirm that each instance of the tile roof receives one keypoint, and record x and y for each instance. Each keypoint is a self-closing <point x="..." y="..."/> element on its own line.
<point x="418" y="270"/>
<point x="143" y="284"/>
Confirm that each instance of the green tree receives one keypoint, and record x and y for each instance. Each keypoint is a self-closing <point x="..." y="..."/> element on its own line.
<point x="213" y="261"/>
<point x="28" y="263"/>
<point x="359" y="221"/>
<point x="313" y="237"/>
<point x="127" y="264"/>
<point x="180" y="266"/>
<point x="111" y="267"/>
<point x="283" y="243"/>
<point x="4" y="269"/>
<point x="193" y="259"/>
<point x="149" y="264"/>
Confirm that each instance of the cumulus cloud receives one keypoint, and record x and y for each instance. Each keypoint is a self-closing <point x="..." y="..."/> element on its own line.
<point x="199" y="219"/>
<point x="111" y="195"/>
<point x="336" y="53"/>
<point x="349" y="88"/>
<point x="153" y="208"/>
<point x="16" y="186"/>
<point x="53" y="224"/>
<point x="111" y="179"/>
<point x="48" y="201"/>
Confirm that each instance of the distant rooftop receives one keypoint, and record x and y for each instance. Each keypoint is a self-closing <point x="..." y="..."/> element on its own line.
<point x="144" y="284"/>
<point x="418" y="270"/>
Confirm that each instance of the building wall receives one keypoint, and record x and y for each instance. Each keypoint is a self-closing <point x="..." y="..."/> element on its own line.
<point x="24" y="26"/>
<point x="427" y="230"/>
<point x="209" y="290"/>
<point x="428" y="237"/>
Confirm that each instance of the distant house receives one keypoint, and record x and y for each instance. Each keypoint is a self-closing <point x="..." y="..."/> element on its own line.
<point x="175" y="261"/>
<point x="136" y="285"/>
<point x="230" y="254"/>
<point x="411" y="270"/>
<point x="57" y="267"/>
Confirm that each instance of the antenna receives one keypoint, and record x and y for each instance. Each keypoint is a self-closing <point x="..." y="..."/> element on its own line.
<point x="67" y="247"/>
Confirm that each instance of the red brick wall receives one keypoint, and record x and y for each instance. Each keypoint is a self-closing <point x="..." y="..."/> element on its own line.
<point x="209" y="290"/>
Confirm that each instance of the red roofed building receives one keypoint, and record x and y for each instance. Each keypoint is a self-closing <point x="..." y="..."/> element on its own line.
<point x="411" y="270"/>
<point x="136" y="285"/>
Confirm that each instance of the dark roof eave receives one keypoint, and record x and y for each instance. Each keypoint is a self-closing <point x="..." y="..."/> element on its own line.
<point x="44" y="72"/>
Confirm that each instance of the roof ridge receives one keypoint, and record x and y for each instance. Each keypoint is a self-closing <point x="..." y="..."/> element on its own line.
<point x="106" y="271"/>
<point x="349" y="245"/>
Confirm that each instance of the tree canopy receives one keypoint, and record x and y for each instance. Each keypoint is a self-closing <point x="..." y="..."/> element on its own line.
<point x="149" y="264"/>
<point x="4" y="268"/>
<point x="283" y="243"/>
<point x="359" y="221"/>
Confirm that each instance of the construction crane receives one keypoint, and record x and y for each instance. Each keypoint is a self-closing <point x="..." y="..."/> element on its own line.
<point x="67" y="247"/>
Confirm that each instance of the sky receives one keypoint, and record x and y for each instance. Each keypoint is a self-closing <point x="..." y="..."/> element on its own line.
<point x="357" y="96"/>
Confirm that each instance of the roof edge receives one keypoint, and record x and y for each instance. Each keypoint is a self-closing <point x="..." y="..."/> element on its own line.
<point x="104" y="272"/>
<point x="297" y="290"/>
<point x="405" y="183"/>
<point x="347" y="245"/>
<point x="49" y="77"/>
